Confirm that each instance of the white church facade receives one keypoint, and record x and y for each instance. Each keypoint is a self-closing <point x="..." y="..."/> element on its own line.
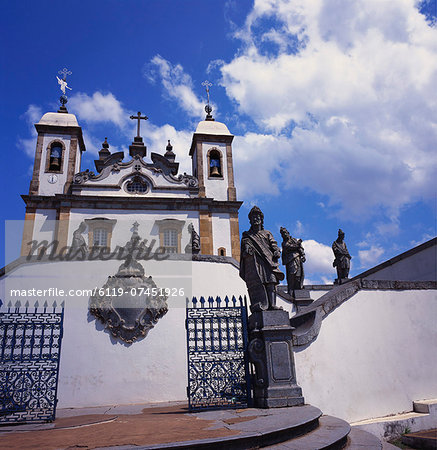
<point x="61" y="196"/>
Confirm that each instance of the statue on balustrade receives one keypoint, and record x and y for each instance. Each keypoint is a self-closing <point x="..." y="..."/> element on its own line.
<point x="259" y="266"/>
<point x="293" y="257"/>
<point x="342" y="258"/>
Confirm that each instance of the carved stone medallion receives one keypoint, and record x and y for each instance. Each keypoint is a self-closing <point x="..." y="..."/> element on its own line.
<point x="129" y="304"/>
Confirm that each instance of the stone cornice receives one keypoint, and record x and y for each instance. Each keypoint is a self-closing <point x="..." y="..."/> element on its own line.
<point x="200" y="137"/>
<point x="57" y="129"/>
<point x="131" y="203"/>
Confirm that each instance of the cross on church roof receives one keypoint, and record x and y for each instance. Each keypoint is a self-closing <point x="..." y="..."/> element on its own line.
<point x="65" y="72"/>
<point x="208" y="108"/>
<point x="139" y="117"/>
<point x="207" y="85"/>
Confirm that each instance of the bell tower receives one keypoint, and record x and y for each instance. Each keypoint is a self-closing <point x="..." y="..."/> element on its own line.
<point x="211" y="153"/>
<point x="59" y="148"/>
<point x="58" y="154"/>
<point x="212" y="165"/>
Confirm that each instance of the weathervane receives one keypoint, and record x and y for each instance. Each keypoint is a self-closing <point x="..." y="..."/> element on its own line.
<point x="63" y="85"/>
<point x="208" y="108"/>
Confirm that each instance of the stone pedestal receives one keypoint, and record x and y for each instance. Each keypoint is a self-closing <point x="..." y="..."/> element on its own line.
<point x="301" y="298"/>
<point x="341" y="280"/>
<point x="270" y="350"/>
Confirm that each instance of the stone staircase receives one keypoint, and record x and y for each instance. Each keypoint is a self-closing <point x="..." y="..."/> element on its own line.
<point x="331" y="433"/>
<point x="297" y="428"/>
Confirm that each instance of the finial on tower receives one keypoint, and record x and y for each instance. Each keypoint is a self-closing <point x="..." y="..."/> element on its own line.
<point x="208" y="108"/>
<point x="169" y="154"/>
<point x="63" y="85"/>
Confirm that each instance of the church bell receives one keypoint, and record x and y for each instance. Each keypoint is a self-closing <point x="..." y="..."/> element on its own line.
<point x="215" y="171"/>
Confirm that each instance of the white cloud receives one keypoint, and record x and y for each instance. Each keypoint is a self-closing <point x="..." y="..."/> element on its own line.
<point x="370" y="257"/>
<point x="425" y="237"/>
<point x="257" y="159"/>
<point x="157" y="137"/>
<point x="357" y="80"/>
<point x="319" y="258"/>
<point x="99" y="108"/>
<point x="298" y="228"/>
<point x="32" y="115"/>
<point x="28" y="146"/>
<point x="177" y="83"/>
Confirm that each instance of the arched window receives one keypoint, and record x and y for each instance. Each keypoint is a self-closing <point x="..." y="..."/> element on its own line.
<point x="215" y="164"/>
<point x="171" y="240"/>
<point x="222" y="251"/>
<point x="54" y="157"/>
<point x="137" y="185"/>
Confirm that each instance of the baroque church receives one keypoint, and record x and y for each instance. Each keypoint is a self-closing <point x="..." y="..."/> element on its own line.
<point x="167" y="203"/>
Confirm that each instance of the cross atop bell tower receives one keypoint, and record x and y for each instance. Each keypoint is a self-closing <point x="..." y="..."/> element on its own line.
<point x="208" y="108"/>
<point x="138" y="147"/>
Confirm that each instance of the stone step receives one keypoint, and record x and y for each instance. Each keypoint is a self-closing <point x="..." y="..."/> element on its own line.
<point x="362" y="440"/>
<point x="391" y="427"/>
<point x="266" y="427"/>
<point x="331" y="434"/>
<point x="425" y="406"/>
<point x="422" y="439"/>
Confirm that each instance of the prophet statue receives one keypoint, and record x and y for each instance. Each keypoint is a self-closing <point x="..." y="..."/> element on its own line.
<point x="259" y="266"/>
<point x="293" y="257"/>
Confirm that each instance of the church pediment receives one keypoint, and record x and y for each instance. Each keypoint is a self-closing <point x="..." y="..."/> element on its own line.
<point x="136" y="176"/>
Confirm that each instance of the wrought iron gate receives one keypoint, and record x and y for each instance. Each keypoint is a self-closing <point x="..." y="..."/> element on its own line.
<point x="30" y="346"/>
<point x="218" y="368"/>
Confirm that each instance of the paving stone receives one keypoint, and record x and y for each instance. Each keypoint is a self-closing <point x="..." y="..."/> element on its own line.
<point x="362" y="440"/>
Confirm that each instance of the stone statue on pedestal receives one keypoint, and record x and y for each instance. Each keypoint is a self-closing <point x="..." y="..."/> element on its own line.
<point x="342" y="258"/>
<point x="259" y="266"/>
<point x="78" y="244"/>
<point x="194" y="244"/>
<point x="293" y="257"/>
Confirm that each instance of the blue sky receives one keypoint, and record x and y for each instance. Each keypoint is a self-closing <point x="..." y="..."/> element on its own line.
<point x="332" y="104"/>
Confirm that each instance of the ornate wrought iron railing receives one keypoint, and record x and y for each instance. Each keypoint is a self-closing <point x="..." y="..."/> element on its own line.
<point x="30" y="346"/>
<point x="217" y="339"/>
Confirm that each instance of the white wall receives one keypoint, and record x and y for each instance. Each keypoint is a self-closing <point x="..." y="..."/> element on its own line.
<point x="221" y="231"/>
<point x="374" y="355"/>
<point x="96" y="369"/>
<point x="125" y="218"/>
<point x="45" y="224"/>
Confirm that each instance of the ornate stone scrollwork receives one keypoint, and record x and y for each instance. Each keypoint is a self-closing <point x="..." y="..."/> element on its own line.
<point x="83" y="177"/>
<point x="189" y="180"/>
<point x="129" y="304"/>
